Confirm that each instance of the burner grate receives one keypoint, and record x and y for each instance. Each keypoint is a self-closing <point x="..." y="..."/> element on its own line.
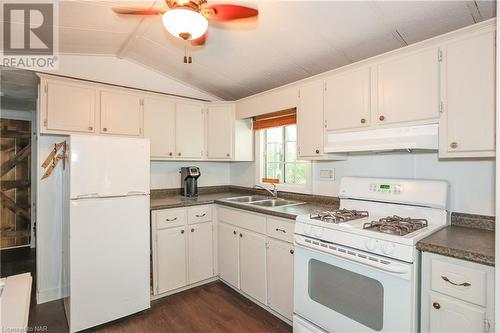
<point x="396" y="225"/>
<point x="339" y="215"/>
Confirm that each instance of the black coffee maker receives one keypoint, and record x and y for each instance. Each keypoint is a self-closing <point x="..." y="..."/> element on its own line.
<point x="189" y="181"/>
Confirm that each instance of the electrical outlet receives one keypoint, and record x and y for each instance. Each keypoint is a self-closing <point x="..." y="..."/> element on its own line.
<point x="327" y="174"/>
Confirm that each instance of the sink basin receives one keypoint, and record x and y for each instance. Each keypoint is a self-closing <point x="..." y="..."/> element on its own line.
<point x="248" y="198"/>
<point x="275" y="203"/>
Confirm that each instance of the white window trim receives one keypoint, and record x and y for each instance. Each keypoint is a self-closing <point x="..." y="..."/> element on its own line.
<point x="259" y="162"/>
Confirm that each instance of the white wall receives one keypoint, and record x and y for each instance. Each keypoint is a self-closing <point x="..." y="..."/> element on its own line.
<point x="472" y="181"/>
<point x="165" y="174"/>
<point x="108" y="69"/>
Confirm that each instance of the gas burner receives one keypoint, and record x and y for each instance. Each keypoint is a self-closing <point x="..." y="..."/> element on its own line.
<point x="396" y="225"/>
<point x="339" y="215"/>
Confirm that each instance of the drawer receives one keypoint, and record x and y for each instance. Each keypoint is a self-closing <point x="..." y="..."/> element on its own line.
<point x="168" y="218"/>
<point x="280" y="229"/>
<point x="242" y="219"/>
<point x="198" y="214"/>
<point x="456" y="280"/>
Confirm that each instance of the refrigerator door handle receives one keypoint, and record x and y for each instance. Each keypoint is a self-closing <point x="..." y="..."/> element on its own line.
<point x="87" y="196"/>
<point x="137" y="193"/>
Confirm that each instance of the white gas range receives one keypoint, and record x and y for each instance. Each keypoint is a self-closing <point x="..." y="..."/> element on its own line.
<point x="356" y="268"/>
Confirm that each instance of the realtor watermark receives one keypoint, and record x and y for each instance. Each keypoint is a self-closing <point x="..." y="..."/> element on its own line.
<point x="30" y="35"/>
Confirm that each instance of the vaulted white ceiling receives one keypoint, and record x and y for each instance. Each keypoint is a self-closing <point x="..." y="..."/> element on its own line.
<point x="290" y="40"/>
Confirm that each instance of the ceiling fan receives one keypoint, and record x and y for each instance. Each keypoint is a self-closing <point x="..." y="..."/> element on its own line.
<point x="187" y="19"/>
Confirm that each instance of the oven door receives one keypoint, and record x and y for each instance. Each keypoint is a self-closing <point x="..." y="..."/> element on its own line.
<point x="345" y="290"/>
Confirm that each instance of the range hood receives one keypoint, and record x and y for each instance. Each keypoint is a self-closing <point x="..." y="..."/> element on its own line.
<point x="423" y="137"/>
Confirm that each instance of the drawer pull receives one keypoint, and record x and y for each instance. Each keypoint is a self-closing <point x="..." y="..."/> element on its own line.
<point x="202" y="215"/>
<point x="192" y="229"/>
<point x="282" y="230"/>
<point x="464" y="284"/>
<point x="171" y="220"/>
<point x="436" y="305"/>
<point x="292" y="251"/>
<point x="234" y="232"/>
<point x="182" y="231"/>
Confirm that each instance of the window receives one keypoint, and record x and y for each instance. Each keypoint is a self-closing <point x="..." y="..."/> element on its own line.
<point x="280" y="156"/>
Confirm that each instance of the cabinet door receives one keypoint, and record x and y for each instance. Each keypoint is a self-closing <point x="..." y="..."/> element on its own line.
<point x="121" y="113"/>
<point x="220" y="128"/>
<point x="453" y="316"/>
<point x="200" y="252"/>
<point x="467" y="126"/>
<point x="408" y="88"/>
<point x="170" y="259"/>
<point x="280" y="277"/>
<point x="70" y="107"/>
<point x="159" y="126"/>
<point x="189" y="130"/>
<point x="253" y="264"/>
<point x="310" y="126"/>
<point x="228" y="254"/>
<point x="347" y="100"/>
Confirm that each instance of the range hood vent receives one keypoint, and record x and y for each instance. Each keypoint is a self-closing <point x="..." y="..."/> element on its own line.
<point x="424" y="137"/>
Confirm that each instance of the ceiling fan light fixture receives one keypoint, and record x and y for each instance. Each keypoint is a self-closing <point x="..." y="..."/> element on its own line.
<point x="185" y="23"/>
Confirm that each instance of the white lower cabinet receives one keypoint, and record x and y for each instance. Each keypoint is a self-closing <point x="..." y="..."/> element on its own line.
<point x="253" y="264"/>
<point x="182" y="251"/>
<point x="457" y="295"/>
<point x="228" y="254"/>
<point x="280" y="277"/>
<point x="170" y="259"/>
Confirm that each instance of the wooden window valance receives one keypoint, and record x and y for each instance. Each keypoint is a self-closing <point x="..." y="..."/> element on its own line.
<point x="275" y="119"/>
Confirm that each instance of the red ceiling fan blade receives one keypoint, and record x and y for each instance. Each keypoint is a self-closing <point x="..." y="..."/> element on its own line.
<point x="200" y="40"/>
<point x="227" y="12"/>
<point x="139" y="11"/>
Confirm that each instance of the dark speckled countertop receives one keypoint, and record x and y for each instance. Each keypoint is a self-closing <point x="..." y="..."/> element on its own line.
<point x="164" y="199"/>
<point x="469" y="237"/>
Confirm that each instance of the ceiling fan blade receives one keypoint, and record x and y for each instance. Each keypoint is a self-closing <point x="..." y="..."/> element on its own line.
<point x="200" y="40"/>
<point x="227" y="12"/>
<point x="139" y="11"/>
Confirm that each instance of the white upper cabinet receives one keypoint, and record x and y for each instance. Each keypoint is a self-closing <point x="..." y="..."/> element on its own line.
<point x="347" y="100"/>
<point x="159" y="126"/>
<point x="408" y="87"/>
<point x="467" y="125"/>
<point x="267" y="102"/>
<point x="310" y="120"/>
<point x="121" y="113"/>
<point x="220" y="131"/>
<point x="68" y="106"/>
<point x="189" y="130"/>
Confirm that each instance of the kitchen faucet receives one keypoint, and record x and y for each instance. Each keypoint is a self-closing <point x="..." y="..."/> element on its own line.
<point x="274" y="191"/>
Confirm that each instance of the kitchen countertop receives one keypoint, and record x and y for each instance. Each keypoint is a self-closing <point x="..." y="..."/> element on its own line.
<point x="472" y="244"/>
<point x="289" y="212"/>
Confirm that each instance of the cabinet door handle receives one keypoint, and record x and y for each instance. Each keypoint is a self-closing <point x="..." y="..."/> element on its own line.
<point x="170" y="154"/>
<point x="292" y="251"/>
<point x="464" y="284"/>
<point x="241" y="235"/>
<point x="178" y="154"/>
<point x="436" y="305"/>
<point x="453" y="145"/>
<point x="317" y="151"/>
<point x="363" y="120"/>
<point x="202" y="215"/>
<point x="90" y="128"/>
<point x="182" y="231"/>
<point x="381" y="118"/>
<point x="171" y="220"/>
<point x="192" y="229"/>
<point x="234" y="232"/>
<point x="282" y="230"/>
<point x="227" y="155"/>
<point x="104" y="129"/>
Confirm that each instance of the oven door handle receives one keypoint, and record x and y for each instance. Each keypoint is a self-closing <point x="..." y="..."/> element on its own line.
<point x="389" y="267"/>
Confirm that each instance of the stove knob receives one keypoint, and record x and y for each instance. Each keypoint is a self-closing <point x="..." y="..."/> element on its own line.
<point x="388" y="248"/>
<point x="318" y="232"/>
<point x="370" y="244"/>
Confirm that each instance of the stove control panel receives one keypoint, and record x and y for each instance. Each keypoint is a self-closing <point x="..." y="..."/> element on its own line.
<point x="386" y="188"/>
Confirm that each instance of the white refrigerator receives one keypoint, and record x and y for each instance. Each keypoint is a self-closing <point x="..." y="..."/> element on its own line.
<point x="107" y="243"/>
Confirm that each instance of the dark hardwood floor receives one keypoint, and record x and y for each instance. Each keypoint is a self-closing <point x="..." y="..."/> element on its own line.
<point x="213" y="307"/>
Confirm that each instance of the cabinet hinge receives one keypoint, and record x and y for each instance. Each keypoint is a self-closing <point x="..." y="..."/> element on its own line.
<point x="487" y="325"/>
<point x="141" y="102"/>
<point x="326" y="123"/>
<point x="45" y="123"/>
<point x="440" y="55"/>
<point x="45" y="88"/>
<point x="441" y="107"/>
<point x="267" y="244"/>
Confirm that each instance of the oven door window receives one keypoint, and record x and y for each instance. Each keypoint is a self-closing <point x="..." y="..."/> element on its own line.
<point x="351" y="294"/>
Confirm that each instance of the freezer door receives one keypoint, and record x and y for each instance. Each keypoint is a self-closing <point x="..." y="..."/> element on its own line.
<point x="109" y="259"/>
<point x="108" y="166"/>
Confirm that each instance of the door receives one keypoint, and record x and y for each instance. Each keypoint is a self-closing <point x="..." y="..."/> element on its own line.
<point x="467" y="126"/>
<point x="200" y="252"/>
<point x="70" y="106"/>
<point x="341" y="295"/>
<point x="408" y="88"/>
<point x="171" y="270"/>
<point x="228" y="254"/>
<point x="310" y="127"/>
<point x="253" y="264"/>
<point x="189" y="130"/>
<point x="220" y="128"/>
<point x="453" y="316"/>
<point x="280" y="277"/>
<point x="121" y="113"/>
<point x="159" y="126"/>
<point x="347" y="100"/>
